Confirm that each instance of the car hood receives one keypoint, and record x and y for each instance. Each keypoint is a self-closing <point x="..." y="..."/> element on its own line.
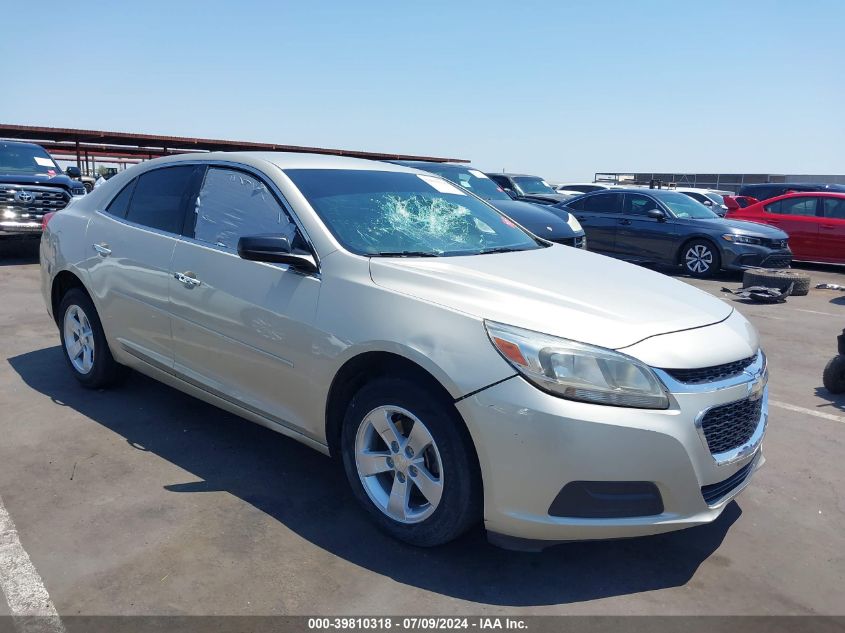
<point x="741" y="226"/>
<point x="539" y="220"/>
<point x="36" y="179"/>
<point x="557" y="290"/>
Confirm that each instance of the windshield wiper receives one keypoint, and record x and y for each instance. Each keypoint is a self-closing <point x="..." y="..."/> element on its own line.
<point x="405" y="254"/>
<point x="500" y="249"/>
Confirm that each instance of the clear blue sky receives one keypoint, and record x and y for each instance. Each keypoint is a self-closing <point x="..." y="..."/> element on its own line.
<point x="561" y="89"/>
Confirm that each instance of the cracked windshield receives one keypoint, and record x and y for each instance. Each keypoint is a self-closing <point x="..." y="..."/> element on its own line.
<point x="395" y="214"/>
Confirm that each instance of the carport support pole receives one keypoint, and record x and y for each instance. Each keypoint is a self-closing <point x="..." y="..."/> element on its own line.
<point x="78" y="158"/>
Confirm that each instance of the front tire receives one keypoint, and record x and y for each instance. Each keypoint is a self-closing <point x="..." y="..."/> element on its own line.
<point x="84" y="343"/>
<point x="410" y="463"/>
<point x="700" y="259"/>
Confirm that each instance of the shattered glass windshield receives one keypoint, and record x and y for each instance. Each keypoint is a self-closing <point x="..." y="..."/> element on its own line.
<point x="396" y="214"/>
<point x="532" y="185"/>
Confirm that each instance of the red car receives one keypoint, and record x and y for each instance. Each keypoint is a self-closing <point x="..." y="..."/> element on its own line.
<point x="815" y="223"/>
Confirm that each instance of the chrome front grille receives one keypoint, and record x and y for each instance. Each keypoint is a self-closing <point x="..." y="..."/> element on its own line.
<point x="32" y="202"/>
<point x="711" y="374"/>
<point x="731" y="425"/>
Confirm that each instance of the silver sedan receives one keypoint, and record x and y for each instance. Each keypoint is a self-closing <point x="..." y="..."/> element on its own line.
<point x="459" y="366"/>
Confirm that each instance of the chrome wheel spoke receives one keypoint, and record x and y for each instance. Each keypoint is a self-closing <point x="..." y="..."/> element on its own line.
<point x="400" y="493"/>
<point x="419" y="438"/>
<point x="371" y="463"/>
<point x="74" y="349"/>
<point x="428" y="485"/>
<point x="382" y="422"/>
<point x="87" y="357"/>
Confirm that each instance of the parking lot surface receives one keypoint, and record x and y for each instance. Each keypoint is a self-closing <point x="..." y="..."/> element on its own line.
<point x="142" y="500"/>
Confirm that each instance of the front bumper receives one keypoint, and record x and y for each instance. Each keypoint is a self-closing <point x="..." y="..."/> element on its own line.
<point x="530" y="444"/>
<point x="20" y="227"/>
<point x="742" y="256"/>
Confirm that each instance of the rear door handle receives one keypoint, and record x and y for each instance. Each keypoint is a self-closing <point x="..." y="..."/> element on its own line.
<point x="102" y="249"/>
<point x="624" y="221"/>
<point x="827" y="227"/>
<point x="188" y="279"/>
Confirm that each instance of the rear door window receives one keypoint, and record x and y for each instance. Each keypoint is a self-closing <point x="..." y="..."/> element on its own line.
<point x="603" y="203"/>
<point x="834" y="208"/>
<point x="159" y="198"/>
<point x="805" y="205"/>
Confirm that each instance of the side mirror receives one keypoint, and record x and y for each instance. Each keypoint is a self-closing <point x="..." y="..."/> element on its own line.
<point x="275" y="249"/>
<point x="656" y="214"/>
<point x="73" y="172"/>
<point x="510" y="192"/>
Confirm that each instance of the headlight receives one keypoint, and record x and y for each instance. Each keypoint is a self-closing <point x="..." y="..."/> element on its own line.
<point x="741" y="239"/>
<point x="576" y="371"/>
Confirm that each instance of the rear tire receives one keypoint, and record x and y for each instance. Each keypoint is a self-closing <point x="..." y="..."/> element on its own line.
<point x="779" y="278"/>
<point x="701" y="259"/>
<point x="84" y="343"/>
<point x="426" y="496"/>
<point x="834" y="375"/>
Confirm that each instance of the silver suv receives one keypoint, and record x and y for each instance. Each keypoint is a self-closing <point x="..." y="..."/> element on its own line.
<point x="459" y="366"/>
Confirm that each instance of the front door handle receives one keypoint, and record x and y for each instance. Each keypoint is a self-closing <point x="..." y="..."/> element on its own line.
<point x="624" y="221"/>
<point x="188" y="279"/>
<point x="102" y="249"/>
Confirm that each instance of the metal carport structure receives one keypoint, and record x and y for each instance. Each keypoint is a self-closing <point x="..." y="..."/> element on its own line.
<point x="85" y="147"/>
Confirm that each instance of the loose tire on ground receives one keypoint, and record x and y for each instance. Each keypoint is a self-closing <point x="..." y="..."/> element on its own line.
<point x="99" y="369"/>
<point x="779" y="278"/>
<point x="449" y="456"/>
<point x="834" y="375"/>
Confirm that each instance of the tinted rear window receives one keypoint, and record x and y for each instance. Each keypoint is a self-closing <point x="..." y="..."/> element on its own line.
<point x="604" y="203"/>
<point x="158" y="201"/>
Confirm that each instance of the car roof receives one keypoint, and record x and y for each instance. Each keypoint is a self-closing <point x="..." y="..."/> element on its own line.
<point x="427" y="165"/>
<point x="512" y="175"/>
<point x="285" y="160"/>
<point x="803" y="194"/>
<point x="803" y="185"/>
<point x="18" y="143"/>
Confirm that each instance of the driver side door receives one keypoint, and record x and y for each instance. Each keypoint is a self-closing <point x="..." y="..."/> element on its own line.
<point x="242" y="330"/>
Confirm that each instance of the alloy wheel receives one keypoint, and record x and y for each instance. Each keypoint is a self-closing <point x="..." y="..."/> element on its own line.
<point x="699" y="258"/>
<point x="399" y="465"/>
<point x="79" y="339"/>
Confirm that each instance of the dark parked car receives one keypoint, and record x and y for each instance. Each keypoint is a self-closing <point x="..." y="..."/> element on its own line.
<point x="529" y="188"/>
<point x="555" y="225"/>
<point x="667" y="227"/>
<point x="765" y="191"/>
<point x="31" y="185"/>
